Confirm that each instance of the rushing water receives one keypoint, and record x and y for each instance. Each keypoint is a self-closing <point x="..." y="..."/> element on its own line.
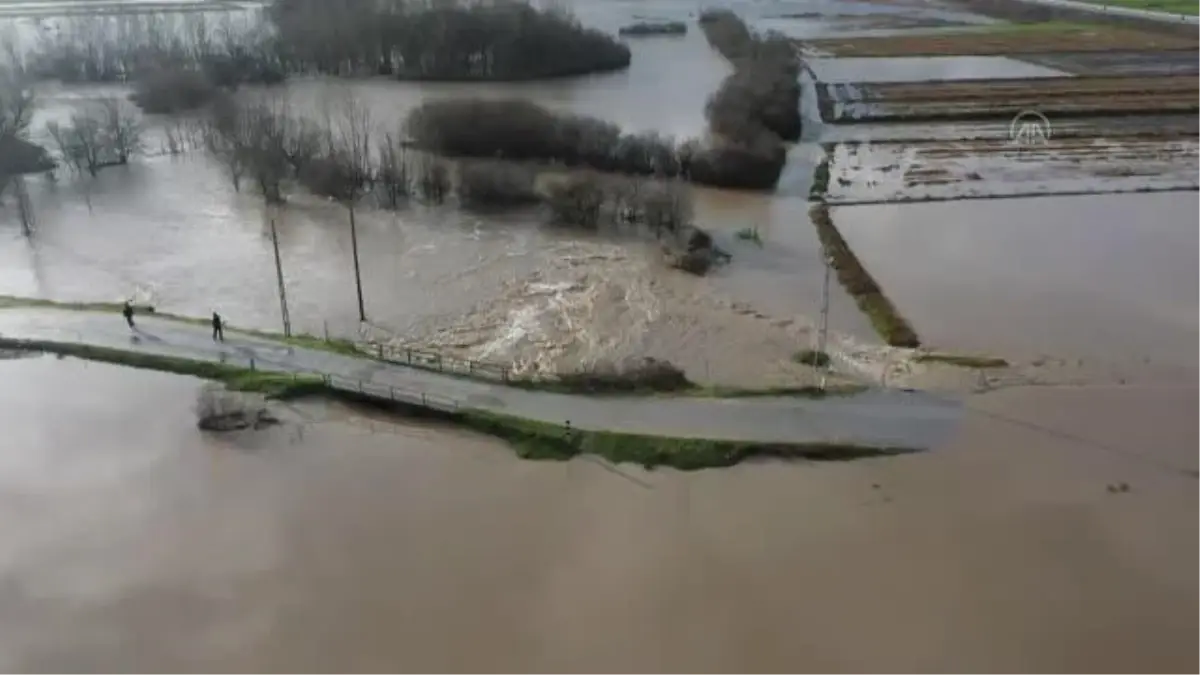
<point x="343" y="541"/>
<point x="173" y="231"/>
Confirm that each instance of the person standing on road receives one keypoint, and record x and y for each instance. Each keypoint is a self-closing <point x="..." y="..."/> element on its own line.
<point x="127" y="312"/>
<point x="218" y="328"/>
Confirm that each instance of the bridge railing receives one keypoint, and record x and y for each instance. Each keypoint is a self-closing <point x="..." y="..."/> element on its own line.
<point x="387" y="392"/>
<point x="442" y="363"/>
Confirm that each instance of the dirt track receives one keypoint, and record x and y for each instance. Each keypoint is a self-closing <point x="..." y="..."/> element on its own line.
<point x="1007" y="42"/>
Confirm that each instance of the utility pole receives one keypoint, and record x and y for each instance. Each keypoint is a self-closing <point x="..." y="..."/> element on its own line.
<point x="287" y="321"/>
<point x="24" y="205"/>
<point x="823" y="331"/>
<point x="362" y="312"/>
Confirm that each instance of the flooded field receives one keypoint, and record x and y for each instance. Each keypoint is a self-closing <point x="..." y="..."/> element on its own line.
<point x="344" y="541"/>
<point x="900" y="69"/>
<point x="1097" y="278"/>
<point x="948" y="170"/>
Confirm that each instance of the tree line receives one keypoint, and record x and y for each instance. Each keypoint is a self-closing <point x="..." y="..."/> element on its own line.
<point x="757" y="106"/>
<point x="453" y="40"/>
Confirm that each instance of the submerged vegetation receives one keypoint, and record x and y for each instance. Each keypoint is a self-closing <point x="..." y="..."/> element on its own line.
<point x="518" y="129"/>
<point x="756" y="108"/>
<point x="440" y="41"/>
<point x="643" y="28"/>
<point x="887" y="321"/>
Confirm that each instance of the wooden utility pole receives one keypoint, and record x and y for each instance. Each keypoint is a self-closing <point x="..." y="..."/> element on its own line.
<point x="287" y="321"/>
<point x="24" y="205"/>
<point x="362" y="311"/>
<point x="823" y="332"/>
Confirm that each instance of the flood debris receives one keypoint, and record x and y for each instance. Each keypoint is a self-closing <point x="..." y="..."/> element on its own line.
<point x="218" y="409"/>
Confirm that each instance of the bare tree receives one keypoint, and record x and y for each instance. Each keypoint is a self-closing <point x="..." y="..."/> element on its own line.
<point x="80" y="143"/>
<point x="393" y="174"/>
<point x="122" y="132"/>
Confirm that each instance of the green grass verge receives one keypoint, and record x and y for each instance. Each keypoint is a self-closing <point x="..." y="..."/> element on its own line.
<point x="887" y="321"/>
<point x="537" y="440"/>
<point x="962" y="360"/>
<point x="1188" y="7"/>
<point x="236" y="378"/>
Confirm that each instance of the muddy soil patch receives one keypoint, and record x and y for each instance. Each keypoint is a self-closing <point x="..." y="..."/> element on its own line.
<point x="1067" y="38"/>
<point x="861" y="173"/>
<point x="1120" y="62"/>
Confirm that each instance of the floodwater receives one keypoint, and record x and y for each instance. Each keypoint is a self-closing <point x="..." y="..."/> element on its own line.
<point x="172" y="231"/>
<point x="1110" y="278"/>
<point x="924" y="68"/>
<point x="343" y="541"/>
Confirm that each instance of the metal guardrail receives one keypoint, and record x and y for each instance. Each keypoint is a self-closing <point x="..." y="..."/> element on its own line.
<point x="387" y="392"/>
<point x="419" y="358"/>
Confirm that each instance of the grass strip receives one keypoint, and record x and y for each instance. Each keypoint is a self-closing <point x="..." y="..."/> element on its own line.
<point x="538" y="440"/>
<point x="887" y="321"/>
<point x="962" y="360"/>
<point x="530" y="439"/>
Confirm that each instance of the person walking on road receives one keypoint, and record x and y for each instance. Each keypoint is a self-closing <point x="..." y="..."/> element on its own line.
<point x="127" y="312"/>
<point x="218" y="328"/>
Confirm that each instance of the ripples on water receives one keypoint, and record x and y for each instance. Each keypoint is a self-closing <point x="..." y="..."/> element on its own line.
<point x="343" y="541"/>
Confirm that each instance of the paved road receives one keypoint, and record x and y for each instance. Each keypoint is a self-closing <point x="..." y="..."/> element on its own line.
<point x="879" y="417"/>
<point x="1101" y="8"/>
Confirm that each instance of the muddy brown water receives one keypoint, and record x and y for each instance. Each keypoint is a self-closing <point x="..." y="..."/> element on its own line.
<point x="172" y="231"/>
<point x="344" y="541"/>
<point x="1110" y="278"/>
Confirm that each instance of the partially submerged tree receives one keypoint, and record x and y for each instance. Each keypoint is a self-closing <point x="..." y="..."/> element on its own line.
<point x="392" y="176"/>
<point x="102" y="134"/>
<point x="342" y="171"/>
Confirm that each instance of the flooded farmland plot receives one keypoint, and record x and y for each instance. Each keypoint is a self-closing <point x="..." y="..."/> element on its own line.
<point x="1104" y="283"/>
<point x="948" y="170"/>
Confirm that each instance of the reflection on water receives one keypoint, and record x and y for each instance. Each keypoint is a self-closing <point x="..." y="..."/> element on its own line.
<point x="924" y="68"/>
<point x="1106" y="277"/>
<point x="343" y="542"/>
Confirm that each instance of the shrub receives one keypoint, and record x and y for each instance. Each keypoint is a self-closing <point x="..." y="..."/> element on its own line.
<point x="812" y="357"/>
<point x="650" y="28"/>
<point x="645" y="374"/>
<point x="172" y="90"/>
<point x="482" y="184"/>
<point x="433" y="180"/>
<point x="577" y="199"/>
<point x="517" y="129"/>
<point x="734" y="165"/>
<point x="756" y="107"/>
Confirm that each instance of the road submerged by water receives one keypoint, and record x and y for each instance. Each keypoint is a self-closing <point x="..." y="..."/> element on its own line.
<point x="877" y="418"/>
